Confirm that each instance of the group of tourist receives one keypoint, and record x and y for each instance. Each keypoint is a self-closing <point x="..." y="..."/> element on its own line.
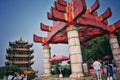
<point x="14" y="76"/>
<point x="110" y="70"/>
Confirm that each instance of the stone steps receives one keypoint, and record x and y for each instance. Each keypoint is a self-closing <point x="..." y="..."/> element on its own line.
<point x="90" y="77"/>
<point x="54" y="78"/>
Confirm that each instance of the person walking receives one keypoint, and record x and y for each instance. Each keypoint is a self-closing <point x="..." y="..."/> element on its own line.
<point x="18" y="76"/>
<point x="110" y="72"/>
<point x="97" y="66"/>
<point x="10" y="76"/>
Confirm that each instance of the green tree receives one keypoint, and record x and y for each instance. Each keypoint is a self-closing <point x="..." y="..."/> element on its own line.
<point x="5" y="70"/>
<point x="96" y="48"/>
<point x="31" y="76"/>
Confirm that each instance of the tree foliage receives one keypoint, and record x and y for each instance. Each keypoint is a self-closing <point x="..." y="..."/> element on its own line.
<point x="5" y="70"/>
<point x="31" y="76"/>
<point x="96" y="48"/>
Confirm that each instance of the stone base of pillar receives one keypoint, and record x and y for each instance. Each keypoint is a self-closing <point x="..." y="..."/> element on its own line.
<point x="46" y="75"/>
<point x="76" y="75"/>
<point x="117" y="64"/>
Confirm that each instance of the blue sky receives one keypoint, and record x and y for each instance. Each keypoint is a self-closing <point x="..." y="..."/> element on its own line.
<point x="22" y="18"/>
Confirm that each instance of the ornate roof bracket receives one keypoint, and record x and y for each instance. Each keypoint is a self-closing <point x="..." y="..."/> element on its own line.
<point x="105" y="15"/>
<point x="79" y="8"/>
<point x="40" y="40"/>
<point x="100" y="18"/>
<point x="60" y="7"/>
<point x="45" y="27"/>
<point x="94" y="7"/>
<point x="62" y="2"/>
<point x="112" y="28"/>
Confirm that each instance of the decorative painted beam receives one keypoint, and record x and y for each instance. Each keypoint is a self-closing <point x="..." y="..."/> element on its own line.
<point x="95" y="32"/>
<point x="101" y="18"/>
<point x="89" y="34"/>
<point x="58" y="26"/>
<point x="89" y="16"/>
<point x="89" y="31"/>
<point x="60" y="39"/>
<point x="91" y="23"/>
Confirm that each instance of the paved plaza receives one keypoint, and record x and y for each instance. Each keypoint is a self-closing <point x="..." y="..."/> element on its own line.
<point x="90" y="76"/>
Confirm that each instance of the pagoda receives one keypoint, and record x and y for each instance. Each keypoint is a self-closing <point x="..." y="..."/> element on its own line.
<point x="20" y="55"/>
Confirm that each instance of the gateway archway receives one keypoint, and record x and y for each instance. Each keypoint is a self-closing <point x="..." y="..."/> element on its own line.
<point x="74" y="24"/>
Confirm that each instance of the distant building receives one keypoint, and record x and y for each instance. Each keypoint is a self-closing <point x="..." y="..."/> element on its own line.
<point x="20" y="55"/>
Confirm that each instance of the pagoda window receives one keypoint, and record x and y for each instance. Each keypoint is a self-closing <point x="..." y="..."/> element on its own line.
<point x="19" y="59"/>
<point x="23" y="60"/>
<point x="11" y="59"/>
<point x="28" y="59"/>
<point x="22" y="65"/>
<point x="16" y="59"/>
<point x="25" y="65"/>
<point x="19" y="65"/>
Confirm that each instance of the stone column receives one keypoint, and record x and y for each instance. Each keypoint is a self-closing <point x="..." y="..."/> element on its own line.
<point x="115" y="50"/>
<point x="46" y="51"/>
<point x="75" y="52"/>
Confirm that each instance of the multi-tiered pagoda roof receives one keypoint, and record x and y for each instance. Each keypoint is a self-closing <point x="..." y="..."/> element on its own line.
<point x="20" y="55"/>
